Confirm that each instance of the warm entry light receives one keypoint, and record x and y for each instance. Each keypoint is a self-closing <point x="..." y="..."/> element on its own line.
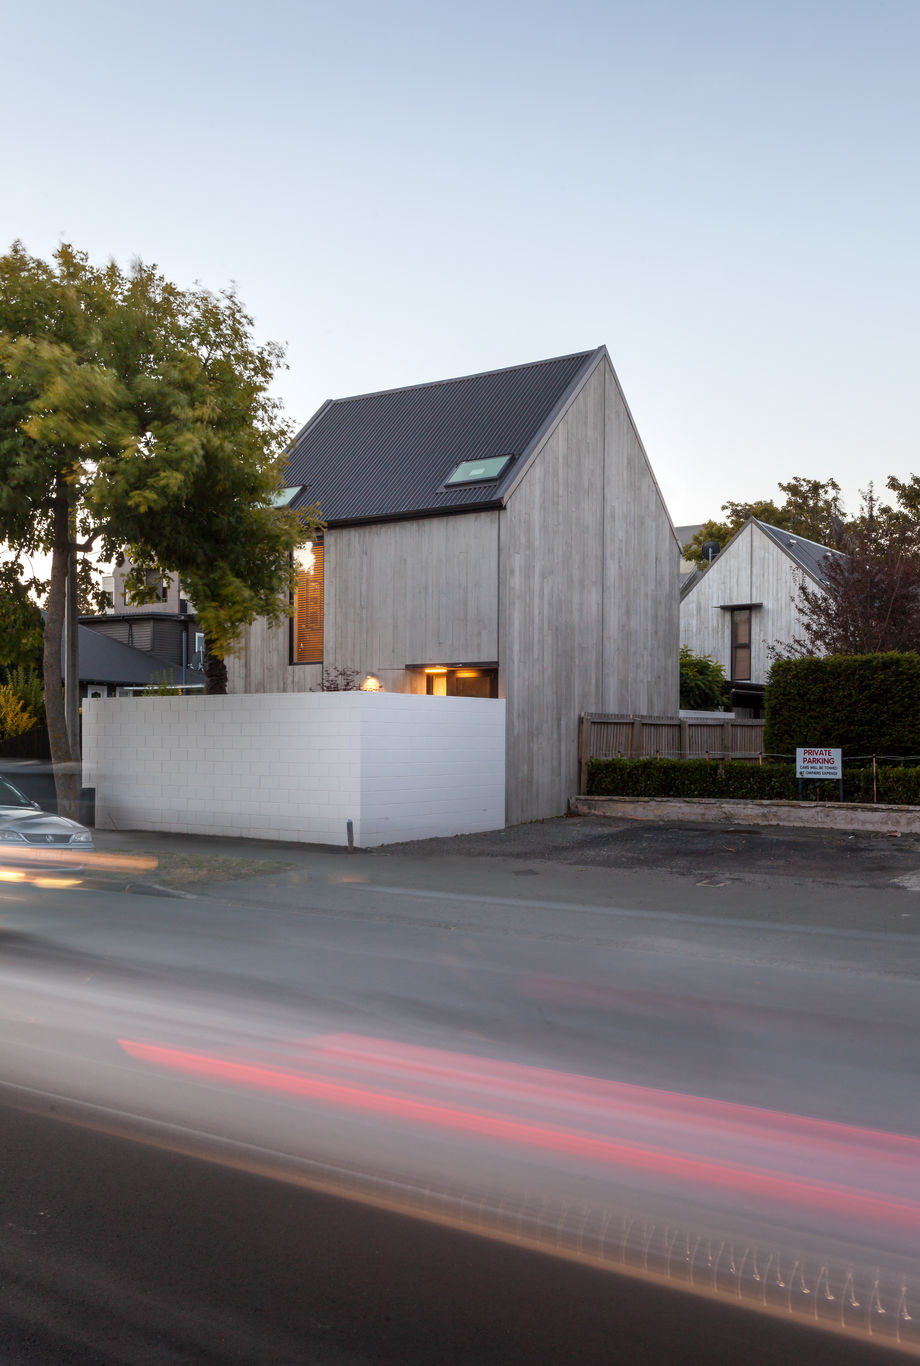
<point x="372" y="684"/>
<point x="437" y="669"/>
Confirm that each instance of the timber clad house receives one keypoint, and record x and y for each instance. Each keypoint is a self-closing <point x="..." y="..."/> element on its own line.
<point x="743" y="604"/>
<point x="499" y="535"/>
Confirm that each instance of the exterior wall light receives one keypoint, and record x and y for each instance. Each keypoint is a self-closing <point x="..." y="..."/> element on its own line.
<point x="372" y="684"/>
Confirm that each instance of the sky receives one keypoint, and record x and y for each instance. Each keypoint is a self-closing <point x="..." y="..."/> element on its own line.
<point x="723" y="192"/>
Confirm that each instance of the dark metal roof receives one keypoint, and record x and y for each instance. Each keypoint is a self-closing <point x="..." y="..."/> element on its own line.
<point x="384" y="455"/>
<point x="808" y="555"/>
<point x="103" y="660"/>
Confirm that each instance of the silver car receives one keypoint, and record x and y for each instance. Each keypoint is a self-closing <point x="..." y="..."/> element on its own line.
<point x="25" y="830"/>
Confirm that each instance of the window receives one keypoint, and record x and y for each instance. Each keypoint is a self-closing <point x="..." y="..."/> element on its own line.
<point x="741" y="643"/>
<point x="461" y="682"/>
<point x="154" y="580"/>
<point x="307" y="625"/>
<point x="478" y="471"/>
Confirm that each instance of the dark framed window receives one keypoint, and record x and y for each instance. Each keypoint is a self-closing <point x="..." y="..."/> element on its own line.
<point x="307" y="622"/>
<point x="741" y="644"/>
<point x="461" y="682"/>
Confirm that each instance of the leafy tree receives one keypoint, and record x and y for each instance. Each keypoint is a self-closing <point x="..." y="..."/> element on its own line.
<point x="869" y="600"/>
<point x="719" y="532"/>
<point x="702" y="681"/>
<point x="136" y="414"/>
<point x="20" y="618"/>
<point x="811" y="509"/>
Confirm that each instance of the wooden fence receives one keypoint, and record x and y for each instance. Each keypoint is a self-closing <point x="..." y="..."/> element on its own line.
<point x="33" y="744"/>
<point x="605" y="736"/>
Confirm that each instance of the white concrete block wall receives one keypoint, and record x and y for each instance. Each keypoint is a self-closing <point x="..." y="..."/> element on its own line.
<point x="297" y="766"/>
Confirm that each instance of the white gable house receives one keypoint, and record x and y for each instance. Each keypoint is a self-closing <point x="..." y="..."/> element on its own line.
<point x="744" y="602"/>
<point x="498" y="535"/>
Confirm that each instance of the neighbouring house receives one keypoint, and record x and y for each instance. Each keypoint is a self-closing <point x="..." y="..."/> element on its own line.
<point x="497" y="535"/>
<point x="685" y="534"/>
<point x="110" y="668"/>
<point x="743" y="603"/>
<point x="164" y="629"/>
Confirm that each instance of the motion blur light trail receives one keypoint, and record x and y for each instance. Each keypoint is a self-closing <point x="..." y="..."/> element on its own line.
<point x="96" y="861"/>
<point x="36" y="867"/>
<point x="860" y="1177"/>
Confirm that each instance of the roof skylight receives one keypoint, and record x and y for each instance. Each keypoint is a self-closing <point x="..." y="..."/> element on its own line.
<point x="283" y="497"/>
<point x="478" y="471"/>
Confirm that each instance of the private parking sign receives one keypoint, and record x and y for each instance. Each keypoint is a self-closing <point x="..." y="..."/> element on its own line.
<point x="818" y="763"/>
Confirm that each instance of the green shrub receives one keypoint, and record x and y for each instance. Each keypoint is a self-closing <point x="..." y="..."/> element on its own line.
<point x="15" y="718"/>
<point x="702" y="681"/>
<point x="862" y="704"/>
<point x="732" y="779"/>
<point x="26" y="683"/>
<point x="160" y="686"/>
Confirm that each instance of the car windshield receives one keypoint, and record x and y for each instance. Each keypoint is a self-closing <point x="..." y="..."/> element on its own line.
<point x="11" y="796"/>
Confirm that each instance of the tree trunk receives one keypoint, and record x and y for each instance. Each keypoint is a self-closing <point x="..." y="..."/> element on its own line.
<point x="215" y="672"/>
<point x="66" y="779"/>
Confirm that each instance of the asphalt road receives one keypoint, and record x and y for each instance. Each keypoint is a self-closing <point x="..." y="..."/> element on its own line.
<point x="221" y="1109"/>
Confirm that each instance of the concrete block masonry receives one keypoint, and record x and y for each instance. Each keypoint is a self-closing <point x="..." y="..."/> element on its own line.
<point x="298" y="766"/>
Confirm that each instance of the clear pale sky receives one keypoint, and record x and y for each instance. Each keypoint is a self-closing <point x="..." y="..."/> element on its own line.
<point x="726" y="193"/>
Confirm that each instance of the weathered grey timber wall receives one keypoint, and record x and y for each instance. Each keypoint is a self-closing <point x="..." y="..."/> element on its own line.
<point x="589" y="595"/>
<point x="423" y="591"/>
<point x="396" y="593"/>
<point x="753" y="569"/>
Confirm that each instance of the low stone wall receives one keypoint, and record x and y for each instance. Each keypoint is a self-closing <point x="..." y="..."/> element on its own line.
<point x="713" y="810"/>
<point x="297" y="766"/>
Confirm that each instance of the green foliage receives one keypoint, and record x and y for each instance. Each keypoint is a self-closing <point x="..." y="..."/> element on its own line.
<point x="27" y="685"/>
<point x="160" y="686"/>
<point x="689" y="778"/>
<point x="702" y="681"/>
<point x="136" y="415"/>
<point x="811" y="508"/>
<point x="20" y="618"/>
<point x="862" y="704"/>
<point x="730" y="779"/>
<point x="145" y="410"/>
<point x="15" y="717"/>
<point x="720" y="532"/>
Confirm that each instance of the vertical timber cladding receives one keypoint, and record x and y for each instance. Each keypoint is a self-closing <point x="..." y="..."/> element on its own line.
<point x="551" y="615"/>
<point x="422" y="590"/>
<point x="752" y="568"/>
<point x="589" y="595"/>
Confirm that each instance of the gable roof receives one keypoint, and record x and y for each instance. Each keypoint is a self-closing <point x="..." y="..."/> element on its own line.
<point x="103" y="660"/>
<point x="387" y="455"/>
<point x="807" y="555"/>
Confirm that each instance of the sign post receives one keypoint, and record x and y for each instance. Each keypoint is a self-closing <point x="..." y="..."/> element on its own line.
<point x="819" y="763"/>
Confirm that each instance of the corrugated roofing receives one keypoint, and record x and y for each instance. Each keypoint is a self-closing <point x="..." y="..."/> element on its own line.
<point x="388" y="454"/>
<point x="809" y="555"/>
<point x="103" y="660"/>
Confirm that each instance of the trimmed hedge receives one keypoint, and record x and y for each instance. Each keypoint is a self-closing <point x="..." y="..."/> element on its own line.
<point x="862" y="704"/>
<point x="898" y="785"/>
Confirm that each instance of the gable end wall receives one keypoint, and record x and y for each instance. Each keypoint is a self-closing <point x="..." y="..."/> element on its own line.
<point x="589" y="595"/>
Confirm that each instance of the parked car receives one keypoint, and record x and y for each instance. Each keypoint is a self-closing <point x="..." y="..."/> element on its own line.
<point x="30" y="837"/>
